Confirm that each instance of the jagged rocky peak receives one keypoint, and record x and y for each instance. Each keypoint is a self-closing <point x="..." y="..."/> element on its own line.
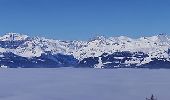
<point x="13" y="37"/>
<point x="164" y="37"/>
<point x="98" y="38"/>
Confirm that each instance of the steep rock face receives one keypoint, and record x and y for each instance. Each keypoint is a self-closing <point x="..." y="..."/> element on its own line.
<point x="17" y="50"/>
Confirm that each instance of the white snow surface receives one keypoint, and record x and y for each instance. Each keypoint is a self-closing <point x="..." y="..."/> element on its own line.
<point x="154" y="46"/>
<point x="84" y="84"/>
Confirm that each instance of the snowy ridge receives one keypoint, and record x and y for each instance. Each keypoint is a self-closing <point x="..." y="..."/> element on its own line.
<point x="117" y="51"/>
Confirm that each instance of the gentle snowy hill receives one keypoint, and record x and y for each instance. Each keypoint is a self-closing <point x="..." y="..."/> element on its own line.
<point x="18" y="50"/>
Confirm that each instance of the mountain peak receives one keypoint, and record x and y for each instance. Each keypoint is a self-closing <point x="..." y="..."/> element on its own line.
<point x="98" y="38"/>
<point x="162" y="34"/>
<point x="12" y="33"/>
<point x="13" y="37"/>
<point x="163" y="37"/>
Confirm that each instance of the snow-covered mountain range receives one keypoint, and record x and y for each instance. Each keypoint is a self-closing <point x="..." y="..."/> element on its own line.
<point x="18" y="50"/>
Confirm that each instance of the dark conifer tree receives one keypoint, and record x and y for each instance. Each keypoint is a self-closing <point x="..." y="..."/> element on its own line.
<point x="151" y="98"/>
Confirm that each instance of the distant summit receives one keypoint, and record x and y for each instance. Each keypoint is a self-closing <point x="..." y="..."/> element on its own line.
<point x="13" y="37"/>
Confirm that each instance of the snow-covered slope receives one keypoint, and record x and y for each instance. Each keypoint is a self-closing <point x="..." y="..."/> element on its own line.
<point x="99" y="52"/>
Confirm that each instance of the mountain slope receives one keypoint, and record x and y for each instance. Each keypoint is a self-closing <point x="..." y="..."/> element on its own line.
<point x="17" y="50"/>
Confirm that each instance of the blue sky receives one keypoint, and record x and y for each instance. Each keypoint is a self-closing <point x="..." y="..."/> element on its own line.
<point x="82" y="19"/>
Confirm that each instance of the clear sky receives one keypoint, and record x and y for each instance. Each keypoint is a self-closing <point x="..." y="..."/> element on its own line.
<point x="82" y="19"/>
